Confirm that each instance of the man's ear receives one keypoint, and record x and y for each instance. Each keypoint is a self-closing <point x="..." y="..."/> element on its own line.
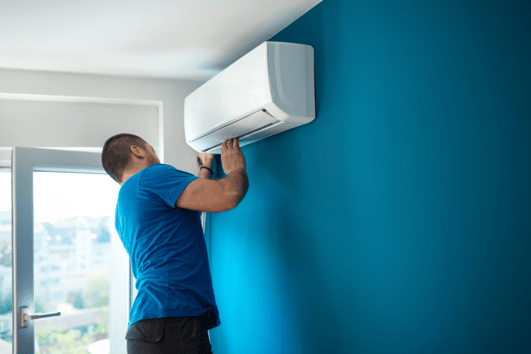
<point x="138" y="151"/>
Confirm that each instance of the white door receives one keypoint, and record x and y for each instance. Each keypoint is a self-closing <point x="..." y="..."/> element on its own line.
<point x="71" y="280"/>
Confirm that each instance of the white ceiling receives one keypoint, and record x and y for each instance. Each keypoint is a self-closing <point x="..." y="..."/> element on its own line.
<point x="193" y="39"/>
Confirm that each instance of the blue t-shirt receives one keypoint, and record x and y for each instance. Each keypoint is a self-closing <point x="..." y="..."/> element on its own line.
<point x="166" y="246"/>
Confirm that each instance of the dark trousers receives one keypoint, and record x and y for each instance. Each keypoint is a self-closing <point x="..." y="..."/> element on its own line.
<point x="169" y="335"/>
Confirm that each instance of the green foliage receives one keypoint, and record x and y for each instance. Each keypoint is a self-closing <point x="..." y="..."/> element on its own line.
<point x="58" y="340"/>
<point x="62" y="341"/>
<point x="45" y="334"/>
<point x="79" y="303"/>
<point x="40" y="305"/>
<point x="103" y="323"/>
<point x="6" y="302"/>
<point x="70" y="341"/>
<point x="104" y="301"/>
<point x="96" y="293"/>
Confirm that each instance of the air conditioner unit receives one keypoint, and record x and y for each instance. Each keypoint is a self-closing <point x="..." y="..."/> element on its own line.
<point x="267" y="91"/>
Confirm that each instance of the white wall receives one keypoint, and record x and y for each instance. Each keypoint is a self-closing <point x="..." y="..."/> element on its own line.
<point x="71" y="124"/>
<point x="170" y="93"/>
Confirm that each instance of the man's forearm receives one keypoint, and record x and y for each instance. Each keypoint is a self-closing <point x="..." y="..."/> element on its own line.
<point x="204" y="173"/>
<point x="236" y="184"/>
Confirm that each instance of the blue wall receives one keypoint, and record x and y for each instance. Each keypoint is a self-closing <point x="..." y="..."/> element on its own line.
<point x="399" y="220"/>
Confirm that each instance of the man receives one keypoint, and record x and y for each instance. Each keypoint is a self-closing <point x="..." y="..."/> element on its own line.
<point x="157" y="218"/>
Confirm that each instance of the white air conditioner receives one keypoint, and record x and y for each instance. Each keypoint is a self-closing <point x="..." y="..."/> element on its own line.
<point x="267" y="91"/>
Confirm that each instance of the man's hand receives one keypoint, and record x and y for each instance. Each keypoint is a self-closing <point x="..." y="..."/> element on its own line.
<point x="205" y="159"/>
<point x="231" y="156"/>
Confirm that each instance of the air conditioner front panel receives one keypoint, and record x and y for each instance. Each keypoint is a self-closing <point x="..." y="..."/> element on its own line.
<point x="241" y="88"/>
<point x="238" y="129"/>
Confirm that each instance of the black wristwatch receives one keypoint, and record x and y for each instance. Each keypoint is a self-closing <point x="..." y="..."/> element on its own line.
<point x="200" y="167"/>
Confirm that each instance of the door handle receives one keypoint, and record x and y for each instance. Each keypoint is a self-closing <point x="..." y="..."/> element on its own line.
<point x="34" y="316"/>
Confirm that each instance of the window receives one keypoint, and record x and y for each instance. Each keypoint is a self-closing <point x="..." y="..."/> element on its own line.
<point x="6" y="256"/>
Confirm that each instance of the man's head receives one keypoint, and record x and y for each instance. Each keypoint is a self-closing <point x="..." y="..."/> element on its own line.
<point x="126" y="153"/>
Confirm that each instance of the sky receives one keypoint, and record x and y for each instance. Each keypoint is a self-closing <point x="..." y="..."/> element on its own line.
<point x="63" y="195"/>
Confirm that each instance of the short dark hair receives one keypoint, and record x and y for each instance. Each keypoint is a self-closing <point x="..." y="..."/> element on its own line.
<point x="116" y="154"/>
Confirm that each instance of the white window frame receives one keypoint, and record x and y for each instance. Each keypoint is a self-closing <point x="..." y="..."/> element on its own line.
<point x="24" y="162"/>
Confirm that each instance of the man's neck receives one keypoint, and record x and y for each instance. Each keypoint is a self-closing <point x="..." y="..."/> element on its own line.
<point x="131" y="172"/>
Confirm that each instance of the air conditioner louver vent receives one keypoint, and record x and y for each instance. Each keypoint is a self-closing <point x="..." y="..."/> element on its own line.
<point x="242" y="128"/>
<point x="262" y="133"/>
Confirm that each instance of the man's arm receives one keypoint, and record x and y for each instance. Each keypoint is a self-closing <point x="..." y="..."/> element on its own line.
<point x="236" y="183"/>
<point x="204" y="194"/>
<point x="207" y="160"/>
<point x="204" y="173"/>
<point x="214" y="196"/>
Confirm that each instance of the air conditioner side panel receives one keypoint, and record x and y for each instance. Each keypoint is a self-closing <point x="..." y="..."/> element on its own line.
<point x="291" y="74"/>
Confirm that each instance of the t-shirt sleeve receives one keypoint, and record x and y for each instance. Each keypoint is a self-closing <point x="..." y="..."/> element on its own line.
<point x="165" y="182"/>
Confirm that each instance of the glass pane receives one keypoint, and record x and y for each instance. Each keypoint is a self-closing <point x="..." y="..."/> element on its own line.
<point x="74" y="221"/>
<point x="6" y="256"/>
